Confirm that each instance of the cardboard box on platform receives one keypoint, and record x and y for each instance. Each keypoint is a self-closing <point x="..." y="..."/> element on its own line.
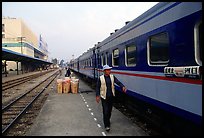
<point x="74" y="85"/>
<point x="66" y="86"/>
<point x="59" y="85"/>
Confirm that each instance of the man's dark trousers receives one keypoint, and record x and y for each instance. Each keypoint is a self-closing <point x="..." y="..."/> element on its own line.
<point x="107" y="105"/>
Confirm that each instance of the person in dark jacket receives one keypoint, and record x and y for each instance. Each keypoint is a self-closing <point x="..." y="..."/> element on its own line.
<point x="68" y="72"/>
<point x="105" y="91"/>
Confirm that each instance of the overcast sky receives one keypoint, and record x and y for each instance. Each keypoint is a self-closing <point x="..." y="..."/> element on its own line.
<point x="71" y="28"/>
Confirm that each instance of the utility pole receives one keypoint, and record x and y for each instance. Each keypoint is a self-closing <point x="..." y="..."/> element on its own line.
<point x="21" y="38"/>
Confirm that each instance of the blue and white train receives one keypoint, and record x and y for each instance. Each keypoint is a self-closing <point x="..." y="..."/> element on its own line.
<point x="157" y="56"/>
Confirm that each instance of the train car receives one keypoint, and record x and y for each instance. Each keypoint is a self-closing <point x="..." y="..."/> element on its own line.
<point x="74" y="65"/>
<point x="158" y="57"/>
<point x="86" y="63"/>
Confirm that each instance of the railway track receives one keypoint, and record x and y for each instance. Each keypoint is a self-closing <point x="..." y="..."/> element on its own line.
<point x="15" y="110"/>
<point x="11" y="83"/>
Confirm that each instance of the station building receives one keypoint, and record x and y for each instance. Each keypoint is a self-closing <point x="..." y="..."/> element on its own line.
<point x="18" y="37"/>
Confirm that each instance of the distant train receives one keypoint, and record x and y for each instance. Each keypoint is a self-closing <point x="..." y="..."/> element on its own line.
<point x="157" y="56"/>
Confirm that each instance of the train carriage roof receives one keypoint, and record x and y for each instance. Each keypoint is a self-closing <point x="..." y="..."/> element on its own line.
<point x="134" y="22"/>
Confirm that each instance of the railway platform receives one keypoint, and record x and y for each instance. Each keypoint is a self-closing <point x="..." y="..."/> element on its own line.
<point x="79" y="115"/>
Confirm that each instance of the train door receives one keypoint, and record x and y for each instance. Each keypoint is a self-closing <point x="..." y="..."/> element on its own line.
<point x="93" y="64"/>
<point x="97" y="63"/>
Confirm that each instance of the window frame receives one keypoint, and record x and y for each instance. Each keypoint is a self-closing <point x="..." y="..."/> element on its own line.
<point x="91" y="62"/>
<point x="197" y="45"/>
<point x="126" y="60"/>
<point x="148" y="51"/>
<point x="117" y="57"/>
<point x="106" y="58"/>
<point x="102" y="62"/>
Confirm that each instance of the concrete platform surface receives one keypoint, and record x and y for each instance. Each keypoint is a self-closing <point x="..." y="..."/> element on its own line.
<point x="79" y="115"/>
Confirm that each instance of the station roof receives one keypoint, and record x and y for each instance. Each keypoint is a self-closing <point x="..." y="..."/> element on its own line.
<point x="14" y="56"/>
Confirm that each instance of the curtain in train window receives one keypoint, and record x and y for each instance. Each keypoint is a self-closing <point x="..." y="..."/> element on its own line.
<point x="115" y="57"/>
<point x="159" y="49"/>
<point x="131" y="55"/>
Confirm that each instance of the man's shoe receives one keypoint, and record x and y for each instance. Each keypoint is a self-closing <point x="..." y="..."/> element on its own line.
<point x="107" y="128"/>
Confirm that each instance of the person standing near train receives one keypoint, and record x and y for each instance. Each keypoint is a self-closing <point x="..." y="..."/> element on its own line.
<point x="105" y="91"/>
<point x="68" y="72"/>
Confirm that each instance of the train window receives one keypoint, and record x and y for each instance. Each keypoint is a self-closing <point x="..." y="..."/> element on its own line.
<point x="102" y="60"/>
<point x="85" y="62"/>
<point x="198" y="43"/>
<point x="91" y="62"/>
<point x="115" y="59"/>
<point x="158" y="49"/>
<point x="130" y="55"/>
<point x="98" y="60"/>
<point x="106" y="58"/>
